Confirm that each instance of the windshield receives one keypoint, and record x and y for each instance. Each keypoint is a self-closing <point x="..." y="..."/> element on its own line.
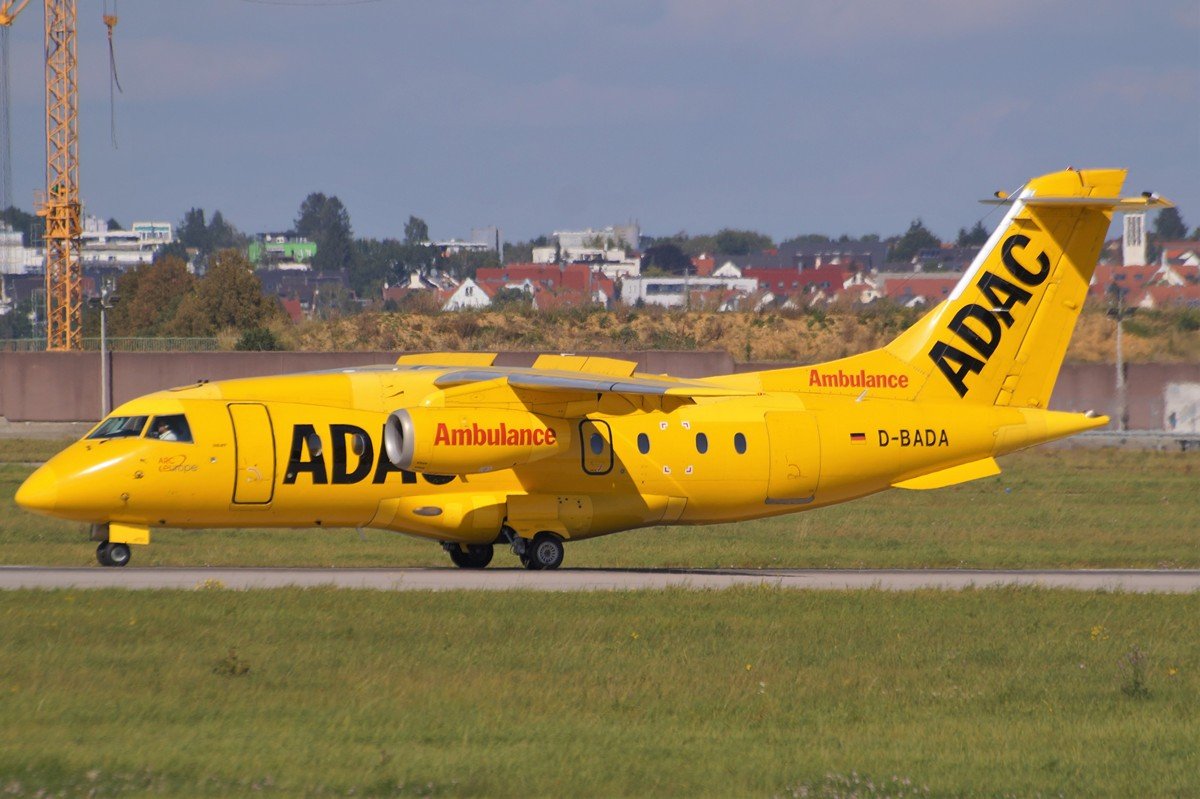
<point x="170" y="428"/>
<point x="120" y="427"/>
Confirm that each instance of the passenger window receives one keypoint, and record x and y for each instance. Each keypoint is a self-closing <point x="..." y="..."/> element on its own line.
<point x="120" y="427"/>
<point x="643" y="443"/>
<point x="170" y="428"/>
<point x="596" y="442"/>
<point x="739" y="443"/>
<point x="701" y="443"/>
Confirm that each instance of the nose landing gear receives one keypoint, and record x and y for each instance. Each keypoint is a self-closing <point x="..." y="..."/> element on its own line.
<point x="110" y="554"/>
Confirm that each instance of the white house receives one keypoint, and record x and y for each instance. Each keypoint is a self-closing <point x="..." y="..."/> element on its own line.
<point x="468" y="295"/>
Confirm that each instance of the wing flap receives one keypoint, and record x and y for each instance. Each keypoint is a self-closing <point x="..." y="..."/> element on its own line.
<point x="447" y="359"/>
<point x="579" y="382"/>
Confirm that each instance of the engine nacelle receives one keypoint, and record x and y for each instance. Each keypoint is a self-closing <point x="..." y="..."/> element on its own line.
<point x="449" y="441"/>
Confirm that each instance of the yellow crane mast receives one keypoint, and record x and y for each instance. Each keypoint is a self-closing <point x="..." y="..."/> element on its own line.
<point x="60" y="207"/>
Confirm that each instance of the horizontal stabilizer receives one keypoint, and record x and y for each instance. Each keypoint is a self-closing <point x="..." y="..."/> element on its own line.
<point x="964" y="472"/>
<point x="1109" y="203"/>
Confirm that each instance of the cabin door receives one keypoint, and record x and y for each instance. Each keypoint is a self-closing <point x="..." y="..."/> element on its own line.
<point x="595" y="441"/>
<point x="795" y="458"/>
<point x="254" y="452"/>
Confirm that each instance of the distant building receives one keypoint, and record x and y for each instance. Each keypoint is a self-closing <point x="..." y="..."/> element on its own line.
<point x="688" y="292"/>
<point x="551" y="285"/>
<point x="1133" y="239"/>
<point x="100" y="246"/>
<point x="468" y="296"/>
<point x="916" y="289"/>
<point x="281" y="251"/>
<point x="15" y="258"/>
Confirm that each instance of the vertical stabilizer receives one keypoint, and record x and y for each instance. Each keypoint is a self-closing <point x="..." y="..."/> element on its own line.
<point x="1001" y="335"/>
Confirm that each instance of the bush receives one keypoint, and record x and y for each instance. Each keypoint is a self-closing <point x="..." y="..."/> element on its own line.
<point x="257" y="339"/>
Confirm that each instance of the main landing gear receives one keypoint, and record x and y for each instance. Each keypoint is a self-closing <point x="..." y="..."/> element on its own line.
<point x="110" y="554"/>
<point x="471" y="556"/>
<point x="544" y="551"/>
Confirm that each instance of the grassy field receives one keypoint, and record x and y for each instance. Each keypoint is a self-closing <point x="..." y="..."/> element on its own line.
<point x="1050" y="508"/>
<point x="732" y="693"/>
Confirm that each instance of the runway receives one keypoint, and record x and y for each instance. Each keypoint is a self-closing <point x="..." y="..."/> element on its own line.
<point x="450" y="579"/>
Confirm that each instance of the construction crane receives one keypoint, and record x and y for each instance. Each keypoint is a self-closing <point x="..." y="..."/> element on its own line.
<point x="9" y="9"/>
<point x="59" y="204"/>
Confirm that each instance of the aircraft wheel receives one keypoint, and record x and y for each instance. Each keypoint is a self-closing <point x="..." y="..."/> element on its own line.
<point x="546" y="551"/>
<point x="102" y="554"/>
<point x="528" y="562"/>
<point x="477" y="556"/>
<point x="116" y="554"/>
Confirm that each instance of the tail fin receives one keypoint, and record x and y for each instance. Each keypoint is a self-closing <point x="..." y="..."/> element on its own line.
<point x="1000" y="337"/>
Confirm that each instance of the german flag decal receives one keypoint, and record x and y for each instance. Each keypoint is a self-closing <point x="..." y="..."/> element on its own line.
<point x="858" y="438"/>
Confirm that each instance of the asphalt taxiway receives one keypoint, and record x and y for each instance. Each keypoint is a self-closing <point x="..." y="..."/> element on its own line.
<point x="501" y="579"/>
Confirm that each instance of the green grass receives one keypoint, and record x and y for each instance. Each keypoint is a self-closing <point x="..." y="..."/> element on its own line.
<point x="1012" y="692"/>
<point x="1050" y="508"/>
<point x="29" y="450"/>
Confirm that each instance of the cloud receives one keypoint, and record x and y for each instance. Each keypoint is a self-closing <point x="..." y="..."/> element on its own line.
<point x="160" y="68"/>
<point x="832" y="26"/>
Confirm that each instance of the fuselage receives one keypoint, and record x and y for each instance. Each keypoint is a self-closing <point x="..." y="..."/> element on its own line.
<point x="308" y="450"/>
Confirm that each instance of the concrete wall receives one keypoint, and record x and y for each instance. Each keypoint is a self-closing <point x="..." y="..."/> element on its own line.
<point x="65" y="387"/>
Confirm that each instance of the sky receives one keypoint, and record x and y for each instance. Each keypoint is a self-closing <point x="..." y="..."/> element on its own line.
<point x="782" y="116"/>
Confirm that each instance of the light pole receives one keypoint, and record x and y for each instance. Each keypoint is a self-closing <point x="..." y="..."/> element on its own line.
<point x="1120" y="312"/>
<point x="105" y="303"/>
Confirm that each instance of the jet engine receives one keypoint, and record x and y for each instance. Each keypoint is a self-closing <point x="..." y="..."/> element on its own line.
<point x="470" y="441"/>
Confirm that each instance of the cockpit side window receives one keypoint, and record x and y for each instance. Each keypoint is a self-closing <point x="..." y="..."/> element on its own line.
<point x="170" y="428"/>
<point x="120" y="427"/>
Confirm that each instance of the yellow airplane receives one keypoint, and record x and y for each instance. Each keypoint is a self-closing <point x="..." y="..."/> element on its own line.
<point x="449" y="447"/>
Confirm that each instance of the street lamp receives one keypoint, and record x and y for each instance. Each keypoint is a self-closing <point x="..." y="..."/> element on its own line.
<point x="1120" y="312"/>
<point x="105" y="303"/>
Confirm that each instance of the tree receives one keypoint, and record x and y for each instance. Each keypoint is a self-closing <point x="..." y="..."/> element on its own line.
<point x="222" y="235"/>
<point x="150" y="295"/>
<point x="975" y="237"/>
<point x="465" y="264"/>
<point x="915" y="239"/>
<point x="326" y="222"/>
<point x="668" y="257"/>
<point x="806" y="238"/>
<point x="113" y="224"/>
<point x="257" y="339"/>
<point x="193" y="230"/>
<point x="416" y="231"/>
<point x="16" y="323"/>
<point x="207" y="236"/>
<point x="27" y="223"/>
<point x="228" y="296"/>
<point x="741" y="242"/>
<point x="1168" y="225"/>
<point x="512" y="299"/>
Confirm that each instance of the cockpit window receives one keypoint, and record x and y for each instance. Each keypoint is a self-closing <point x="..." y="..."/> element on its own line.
<point x="120" y="427"/>
<point x="170" y="428"/>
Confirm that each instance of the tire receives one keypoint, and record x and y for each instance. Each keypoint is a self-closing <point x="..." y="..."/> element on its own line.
<point x="118" y="554"/>
<point x="477" y="556"/>
<point x="546" y="551"/>
<point x="102" y="555"/>
<point x="529" y="563"/>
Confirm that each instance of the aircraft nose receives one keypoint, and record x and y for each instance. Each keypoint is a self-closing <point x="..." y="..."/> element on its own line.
<point x="40" y="492"/>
